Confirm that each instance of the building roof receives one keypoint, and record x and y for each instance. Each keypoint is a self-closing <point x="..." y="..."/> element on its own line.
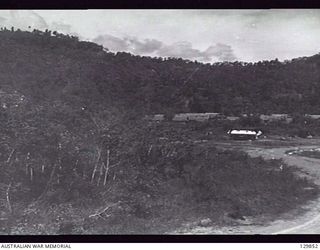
<point x="242" y="132"/>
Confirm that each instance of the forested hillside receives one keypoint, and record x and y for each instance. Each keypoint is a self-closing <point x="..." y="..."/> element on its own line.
<point x="77" y="157"/>
<point x="84" y="72"/>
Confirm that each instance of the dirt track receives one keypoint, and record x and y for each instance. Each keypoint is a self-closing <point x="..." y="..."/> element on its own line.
<point x="303" y="220"/>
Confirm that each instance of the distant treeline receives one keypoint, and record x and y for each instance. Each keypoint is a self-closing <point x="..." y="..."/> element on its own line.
<point x="183" y="117"/>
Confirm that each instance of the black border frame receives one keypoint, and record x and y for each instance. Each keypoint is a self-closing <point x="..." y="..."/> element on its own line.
<point x="284" y="238"/>
<point x="159" y="4"/>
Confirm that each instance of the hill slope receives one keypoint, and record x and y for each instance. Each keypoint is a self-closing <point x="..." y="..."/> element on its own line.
<point x="76" y="156"/>
<point x="48" y="66"/>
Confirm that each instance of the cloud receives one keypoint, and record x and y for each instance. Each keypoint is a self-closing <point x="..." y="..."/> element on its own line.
<point x="154" y="47"/>
<point x="129" y="44"/>
<point x="61" y="27"/>
<point x="29" y="20"/>
<point x="221" y="51"/>
<point x="252" y="35"/>
<point x="187" y="48"/>
<point x="22" y="20"/>
<point x="112" y="43"/>
<point x="180" y="49"/>
<point x="145" y="46"/>
<point x="217" y="52"/>
<point x="2" y="20"/>
<point x="38" y="20"/>
<point x="64" y="28"/>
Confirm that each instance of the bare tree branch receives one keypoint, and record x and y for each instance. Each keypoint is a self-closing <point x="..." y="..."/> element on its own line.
<point x="96" y="165"/>
<point x="99" y="213"/>
<point x="106" y="168"/>
<point x="8" y="198"/>
<point x="49" y="182"/>
<point x="9" y="158"/>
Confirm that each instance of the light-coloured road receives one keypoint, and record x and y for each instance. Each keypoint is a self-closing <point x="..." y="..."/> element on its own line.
<point x="294" y="222"/>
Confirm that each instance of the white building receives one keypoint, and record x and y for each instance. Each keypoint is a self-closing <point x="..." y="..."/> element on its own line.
<point x="244" y="134"/>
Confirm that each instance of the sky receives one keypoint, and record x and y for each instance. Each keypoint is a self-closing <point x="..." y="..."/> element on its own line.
<point x="204" y="35"/>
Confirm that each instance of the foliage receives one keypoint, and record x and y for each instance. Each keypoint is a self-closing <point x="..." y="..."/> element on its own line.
<point x="73" y="137"/>
<point x="49" y="65"/>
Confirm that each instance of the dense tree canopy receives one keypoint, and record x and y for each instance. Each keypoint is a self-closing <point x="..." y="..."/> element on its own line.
<point x="53" y="66"/>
